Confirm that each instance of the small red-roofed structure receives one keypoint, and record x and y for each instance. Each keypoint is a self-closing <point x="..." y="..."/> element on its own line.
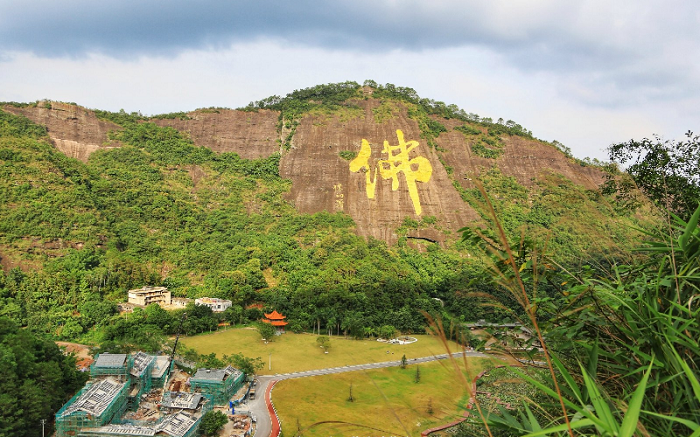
<point x="276" y="319"/>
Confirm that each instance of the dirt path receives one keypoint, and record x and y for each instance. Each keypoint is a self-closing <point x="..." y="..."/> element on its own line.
<point x="81" y="351"/>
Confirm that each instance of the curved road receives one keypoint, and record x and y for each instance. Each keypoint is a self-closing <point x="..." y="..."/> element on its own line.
<point x="260" y="409"/>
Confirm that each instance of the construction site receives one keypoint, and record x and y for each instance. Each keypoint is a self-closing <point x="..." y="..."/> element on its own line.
<point x="144" y="395"/>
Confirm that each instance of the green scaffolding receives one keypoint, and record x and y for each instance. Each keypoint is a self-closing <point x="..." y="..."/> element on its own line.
<point x="141" y="383"/>
<point x="142" y="426"/>
<point x="221" y="391"/>
<point x="121" y="372"/>
<point x="70" y="423"/>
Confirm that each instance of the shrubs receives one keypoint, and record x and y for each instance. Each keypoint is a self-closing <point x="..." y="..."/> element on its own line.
<point x="347" y="155"/>
<point x="212" y="422"/>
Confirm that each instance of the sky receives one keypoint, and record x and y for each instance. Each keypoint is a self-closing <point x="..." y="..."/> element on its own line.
<point x="585" y="73"/>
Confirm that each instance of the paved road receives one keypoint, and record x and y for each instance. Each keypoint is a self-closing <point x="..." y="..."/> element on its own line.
<point x="259" y="408"/>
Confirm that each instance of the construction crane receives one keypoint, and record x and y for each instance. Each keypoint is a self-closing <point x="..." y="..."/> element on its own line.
<point x="172" y="355"/>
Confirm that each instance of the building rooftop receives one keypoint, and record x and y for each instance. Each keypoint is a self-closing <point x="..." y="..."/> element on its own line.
<point x="211" y="300"/>
<point x="275" y="322"/>
<point x="111" y="360"/>
<point x="177" y="425"/>
<point x="162" y="363"/>
<point x="186" y="401"/>
<point x="147" y="289"/>
<point x="96" y="398"/>
<point x="141" y="362"/>
<point x="275" y="316"/>
<point x="215" y="374"/>
<point x="126" y="429"/>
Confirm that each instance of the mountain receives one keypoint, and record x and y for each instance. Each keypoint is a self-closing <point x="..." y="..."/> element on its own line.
<point x="319" y="133"/>
<point x="341" y="205"/>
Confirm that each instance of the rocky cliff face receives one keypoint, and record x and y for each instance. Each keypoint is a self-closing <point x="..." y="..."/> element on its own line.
<point x="250" y="134"/>
<point x="323" y="180"/>
<point x="74" y="130"/>
<point x="358" y="160"/>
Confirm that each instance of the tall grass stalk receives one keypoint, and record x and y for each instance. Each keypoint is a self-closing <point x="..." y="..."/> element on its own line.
<point x="516" y="286"/>
<point x="637" y="328"/>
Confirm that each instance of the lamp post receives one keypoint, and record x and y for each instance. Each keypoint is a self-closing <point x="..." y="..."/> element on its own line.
<point x="43" y="422"/>
<point x="270" y="362"/>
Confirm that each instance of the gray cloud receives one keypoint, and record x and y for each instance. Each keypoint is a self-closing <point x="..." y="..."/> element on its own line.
<point x="123" y="28"/>
<point x="614" y="48"/>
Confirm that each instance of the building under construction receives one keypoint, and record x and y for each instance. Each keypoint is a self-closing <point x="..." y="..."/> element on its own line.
<point x="118" y="383"/>
<point x="100" y="402"/>
<point x="180" y="424"/>
<point x="116" y="365"/>
<point x="180" y="415"/>
<point x="221" y="384"/>
<point x="141" y="378"/>
<point x="119" y="400"/>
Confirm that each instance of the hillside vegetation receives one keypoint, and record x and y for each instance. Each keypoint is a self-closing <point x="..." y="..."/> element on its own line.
<point x="619" y="315"/>
<point x="161" y="210"/>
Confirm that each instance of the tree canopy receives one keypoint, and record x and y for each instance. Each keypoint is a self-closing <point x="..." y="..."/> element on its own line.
<point x="667" y="171"/>
<point x="36" y="379"/>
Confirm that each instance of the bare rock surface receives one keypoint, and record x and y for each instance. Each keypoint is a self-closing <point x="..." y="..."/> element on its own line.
<point x="323" y="180"/>
<point x="74" y="130"/>
<point x="250" y="134"/>
<point x="524" y="159"/>
<point x="333" y="156"/>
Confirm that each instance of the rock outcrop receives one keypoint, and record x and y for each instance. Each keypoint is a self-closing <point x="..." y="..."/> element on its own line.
<point x="338" y="162"/>
<point x="74" y="130"/>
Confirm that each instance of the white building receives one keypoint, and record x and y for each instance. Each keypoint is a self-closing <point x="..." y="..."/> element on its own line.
<point x="217" y="305"/>
<point x="148" y="295"/>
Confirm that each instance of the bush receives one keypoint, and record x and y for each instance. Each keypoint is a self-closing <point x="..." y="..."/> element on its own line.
<point x="212" y="422"/>
<point x="347" y="155"/>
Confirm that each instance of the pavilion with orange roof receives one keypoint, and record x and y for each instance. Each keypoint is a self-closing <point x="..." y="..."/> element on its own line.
<point x="277" y="320"/>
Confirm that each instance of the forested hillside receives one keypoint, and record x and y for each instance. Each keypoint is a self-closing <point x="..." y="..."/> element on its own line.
<point x="457" y="218"/>
<point x="156" y="208"/>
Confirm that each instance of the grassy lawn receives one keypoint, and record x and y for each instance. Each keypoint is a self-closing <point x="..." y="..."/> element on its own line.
<point x="297" y="352"/>
<point x="387" y="400"/>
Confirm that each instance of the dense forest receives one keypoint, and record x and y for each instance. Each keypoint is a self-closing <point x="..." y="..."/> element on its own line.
<point x="162" y="211"/>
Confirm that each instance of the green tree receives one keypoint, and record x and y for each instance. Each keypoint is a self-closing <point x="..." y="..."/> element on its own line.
<point x="36" y="379"/>
<point x="247" y="365"/>
<point x="71" y="330"/>
<point x="324" y="342"/>
<point x="266" y="330"/>
<point x="387" y="332"/>
<point x="95" y="311"/>
<point x="211" y="361"/>
<point x="212" y="422"/>
<point x="668" y="172"/>
<point x="404" y="361"/>
<point x="156" y="315"/>
<point x="234" y="314"/>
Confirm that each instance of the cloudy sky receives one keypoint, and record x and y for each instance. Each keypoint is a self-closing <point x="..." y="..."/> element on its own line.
<point x="585" y="73"/>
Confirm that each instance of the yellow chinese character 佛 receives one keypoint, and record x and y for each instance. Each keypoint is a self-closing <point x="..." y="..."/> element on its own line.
<point x="398" y="161"/>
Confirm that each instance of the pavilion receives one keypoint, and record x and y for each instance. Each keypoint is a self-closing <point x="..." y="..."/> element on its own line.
<point x="277" y="320"/>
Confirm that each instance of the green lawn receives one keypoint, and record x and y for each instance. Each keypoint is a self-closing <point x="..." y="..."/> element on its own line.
<point x="297" y="352"/>
<point x="387" y="401"/>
